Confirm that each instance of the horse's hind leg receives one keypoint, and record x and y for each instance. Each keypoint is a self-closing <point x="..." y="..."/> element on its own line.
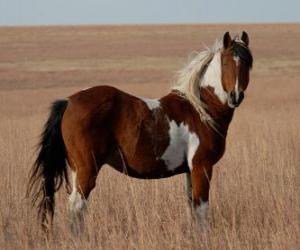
<point x="84" y="174"/>
<point x="77" y="205"/>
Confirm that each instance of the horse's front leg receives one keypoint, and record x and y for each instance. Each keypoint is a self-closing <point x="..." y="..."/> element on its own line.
<point x="200" y="176"/>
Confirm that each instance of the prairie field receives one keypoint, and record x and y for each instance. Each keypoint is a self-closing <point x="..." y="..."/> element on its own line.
<point x="255" y="189"/>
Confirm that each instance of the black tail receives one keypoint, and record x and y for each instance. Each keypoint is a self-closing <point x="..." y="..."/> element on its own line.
<point x="49" y="170"/>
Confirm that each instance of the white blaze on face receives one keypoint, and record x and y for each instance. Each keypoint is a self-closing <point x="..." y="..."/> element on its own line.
<point x="236" y="87"/>
<point x="213" y="78"/>
<point x="183" y="145"/>
<point x="151" y="103"/>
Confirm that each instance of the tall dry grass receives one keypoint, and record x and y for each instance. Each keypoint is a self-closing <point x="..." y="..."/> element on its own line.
<point x="255" y="197"/>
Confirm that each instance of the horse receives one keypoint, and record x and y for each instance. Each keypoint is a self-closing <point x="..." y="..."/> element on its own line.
<point x="181" y="132"/>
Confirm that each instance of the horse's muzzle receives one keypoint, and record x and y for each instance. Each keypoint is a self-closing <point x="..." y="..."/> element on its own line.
<point x="235" y="98"/>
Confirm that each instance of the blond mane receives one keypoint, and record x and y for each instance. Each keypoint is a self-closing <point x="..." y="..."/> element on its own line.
<point x="190" y="79"/>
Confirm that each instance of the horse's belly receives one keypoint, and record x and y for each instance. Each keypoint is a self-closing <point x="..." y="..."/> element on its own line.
<point x="143" y="166"/>
<point x="156" y="172"/>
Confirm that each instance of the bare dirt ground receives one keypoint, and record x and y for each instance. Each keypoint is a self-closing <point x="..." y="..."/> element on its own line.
<point x="255" y="197"/>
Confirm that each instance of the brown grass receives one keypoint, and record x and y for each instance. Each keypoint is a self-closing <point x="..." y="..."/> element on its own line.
<point x="255" y="197"/>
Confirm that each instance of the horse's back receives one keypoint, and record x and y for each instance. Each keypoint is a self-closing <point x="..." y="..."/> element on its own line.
<point x="93" y="97"/>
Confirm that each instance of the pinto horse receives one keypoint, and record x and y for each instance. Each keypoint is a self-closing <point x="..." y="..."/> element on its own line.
<point x="182" y="132"/>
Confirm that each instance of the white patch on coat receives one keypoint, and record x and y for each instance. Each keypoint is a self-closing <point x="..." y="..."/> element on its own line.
<point x="183" y="145"/>
<point x="213" y="78"/>
<point x="151" y="103"/>
<point x="202" y="210"/>
<point x="193" y="144"/>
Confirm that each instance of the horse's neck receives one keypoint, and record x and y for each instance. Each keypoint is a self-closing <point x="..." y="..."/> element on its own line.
<point x="214" y="96"/>
<point x="220" y="113"/>
<point x="213" y="78"/>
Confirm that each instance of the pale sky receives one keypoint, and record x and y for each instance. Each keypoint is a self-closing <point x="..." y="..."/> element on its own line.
<point x="49" y="12"/>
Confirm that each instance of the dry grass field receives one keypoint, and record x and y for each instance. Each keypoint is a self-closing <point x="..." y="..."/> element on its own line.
<point x="255" y="194"/>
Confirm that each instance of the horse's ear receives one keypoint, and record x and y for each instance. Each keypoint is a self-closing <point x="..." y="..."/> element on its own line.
<point x="245" y="38"/>
<point x="227" y="40"/>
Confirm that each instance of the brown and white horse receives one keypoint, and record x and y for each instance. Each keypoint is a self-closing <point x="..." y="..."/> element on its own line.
<point x="182" y="132"/>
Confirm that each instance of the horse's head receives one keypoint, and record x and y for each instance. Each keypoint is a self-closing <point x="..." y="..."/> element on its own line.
<point x="236" y="62"/>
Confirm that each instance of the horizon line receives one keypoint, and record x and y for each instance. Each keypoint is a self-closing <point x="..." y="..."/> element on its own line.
<point x="144" y="24"/>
